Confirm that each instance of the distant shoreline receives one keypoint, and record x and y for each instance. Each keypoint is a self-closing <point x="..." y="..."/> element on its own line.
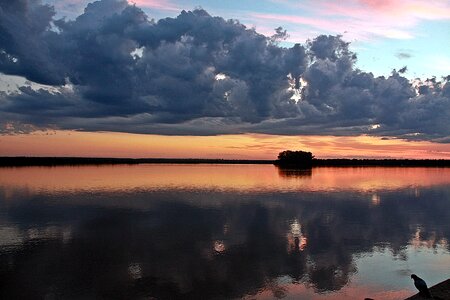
<point x="75" y="161"/>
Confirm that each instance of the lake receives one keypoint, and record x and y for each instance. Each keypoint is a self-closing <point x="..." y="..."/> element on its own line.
<point x="221" y="232"/>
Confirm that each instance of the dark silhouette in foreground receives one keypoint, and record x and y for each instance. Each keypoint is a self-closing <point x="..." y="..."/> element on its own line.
<point x="421" y="286"/>
<point x="439" y="291"/>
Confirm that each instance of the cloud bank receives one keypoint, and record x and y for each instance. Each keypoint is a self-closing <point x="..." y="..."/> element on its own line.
<point x="115" y="69"/>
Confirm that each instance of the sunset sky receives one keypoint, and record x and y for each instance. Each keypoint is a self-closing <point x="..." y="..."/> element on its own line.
<point x="225" y="79"/>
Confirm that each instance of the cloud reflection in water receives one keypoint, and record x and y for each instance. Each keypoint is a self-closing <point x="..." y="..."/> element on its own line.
<point x="220" y="243"/>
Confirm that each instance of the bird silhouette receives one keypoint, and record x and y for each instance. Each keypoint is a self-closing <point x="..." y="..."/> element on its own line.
<point x="421" y="285"/>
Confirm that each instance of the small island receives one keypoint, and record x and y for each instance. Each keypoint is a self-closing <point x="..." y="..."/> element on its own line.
<point x="298" y="159"/>
<point x="295" y="159"/>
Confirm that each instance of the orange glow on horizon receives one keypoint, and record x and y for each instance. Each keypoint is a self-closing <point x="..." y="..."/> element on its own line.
<point x="243" y="146"/>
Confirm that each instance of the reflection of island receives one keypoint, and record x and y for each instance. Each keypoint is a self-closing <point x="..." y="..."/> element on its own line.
<point x="177" y="249"/>
<point x="295" y="173"/>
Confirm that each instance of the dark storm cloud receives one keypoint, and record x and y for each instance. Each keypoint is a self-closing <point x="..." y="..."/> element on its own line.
<point x="114" y="69"/>
<point x="25" y="41"/>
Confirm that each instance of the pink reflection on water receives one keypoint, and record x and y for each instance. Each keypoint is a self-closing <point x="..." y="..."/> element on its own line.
<point x="255" y="179"/>
<point x="251" y="178"/>
<point x="300" y="291"/>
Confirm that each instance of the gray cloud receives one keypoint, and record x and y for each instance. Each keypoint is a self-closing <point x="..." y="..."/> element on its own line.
<point x="112" y="68"/>
<point x="403" y="54"/>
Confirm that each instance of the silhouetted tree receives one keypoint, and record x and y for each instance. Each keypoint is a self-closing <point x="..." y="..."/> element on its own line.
<point x="295" y="158"/>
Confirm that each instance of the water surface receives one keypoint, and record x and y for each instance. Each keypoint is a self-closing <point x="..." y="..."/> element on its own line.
<point x="221" y="232"/>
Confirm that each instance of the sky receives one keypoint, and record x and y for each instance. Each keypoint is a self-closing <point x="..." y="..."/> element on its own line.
<point x="225" y="79"/>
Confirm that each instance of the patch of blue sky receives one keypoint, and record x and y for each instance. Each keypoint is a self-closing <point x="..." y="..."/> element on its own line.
<point x="425" y="55"/>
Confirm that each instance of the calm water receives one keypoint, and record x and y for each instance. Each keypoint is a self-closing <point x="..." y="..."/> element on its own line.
<point x="221" y="232"/>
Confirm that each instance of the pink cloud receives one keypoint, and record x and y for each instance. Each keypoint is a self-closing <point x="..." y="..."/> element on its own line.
<point x="351" y="29"/>
<point x="402" y="13"/>
<point x="363" y="19"/>
<point x="265" y="24"/>
<point x="155" y="4"/>
<point x="414" y="8"/>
